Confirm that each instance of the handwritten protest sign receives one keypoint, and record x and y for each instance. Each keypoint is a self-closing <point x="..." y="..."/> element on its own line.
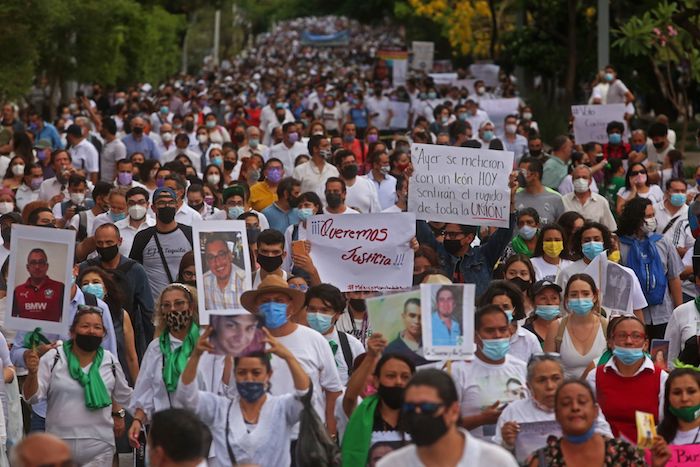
<point x="364" y="251"/>
<point x="462" y="185"/>
<point x="590" y="121"/>
<point x="681" y="455"/>
<point x="499" y="109"/>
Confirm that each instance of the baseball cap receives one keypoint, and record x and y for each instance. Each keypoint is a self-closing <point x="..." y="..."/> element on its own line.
<point x="542" y="284"/>
<point x="164" y="192"/>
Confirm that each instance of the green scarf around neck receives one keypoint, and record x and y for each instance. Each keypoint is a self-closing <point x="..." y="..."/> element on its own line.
<point x="519" y="246"/>
<point x="358" y="433"/>
<point x="175" y="360"/>
<point x="96" y="394"/>
<point x="34" y="339"/>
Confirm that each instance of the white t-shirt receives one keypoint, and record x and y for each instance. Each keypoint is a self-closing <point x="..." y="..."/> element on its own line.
<point x="523" y="344"/>
<point x="655" y="195"/>
<point x="476" y="453"/>
<point x="545" y="270"/>
<point x="314" y="354"/>
<point x="686" y="437"/>
<point x="362" y="196"/>
<point x="684" y="324"/>
<point x="356" y="349"/>
<point x="481" y="384"/>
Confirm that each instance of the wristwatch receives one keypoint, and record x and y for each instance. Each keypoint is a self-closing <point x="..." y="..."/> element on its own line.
<point x="121" y="413"/>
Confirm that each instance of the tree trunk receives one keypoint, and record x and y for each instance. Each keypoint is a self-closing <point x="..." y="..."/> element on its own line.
<point x="494" y="30"/>
<point x="570" y="78"/>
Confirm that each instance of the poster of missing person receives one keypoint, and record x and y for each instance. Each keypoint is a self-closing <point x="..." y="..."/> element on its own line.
<point x="447" y="319"/>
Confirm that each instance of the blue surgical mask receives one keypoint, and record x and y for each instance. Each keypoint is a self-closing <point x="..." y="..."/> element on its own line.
<point x="275" y="314"/>
<point x="488" y="135"/>
<point x="250" y="391"/>
<point x="592" y="249"/>
<point x="580" y="306"/>
<point x="615" y="138"/>
<point x="217" y="161"/>
<point x="628" y="356"/>
<point x="305" y="213"/>
<point x="234" y="212"/>
<point x="547" y="312"/>
<point x="319" y="322"/>
<point x="638" y="147"/>
<point x="495" y="349"/>
<point x="678" y="199"/>
<point x="97" y="290"/>
<point x="528" y="232"/>
<point x="116" y="217"/>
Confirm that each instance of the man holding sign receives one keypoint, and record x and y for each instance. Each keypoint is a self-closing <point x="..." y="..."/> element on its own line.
<point x="460" y="186"/>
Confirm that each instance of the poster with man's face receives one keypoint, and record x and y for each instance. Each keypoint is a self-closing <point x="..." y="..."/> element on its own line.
<point x="397" y="316"/>
<point x="222" y="265"/>
<point x="39" y="279"/>
<point x="447" y="315"/>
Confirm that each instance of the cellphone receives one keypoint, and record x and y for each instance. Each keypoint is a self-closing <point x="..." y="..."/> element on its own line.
<point x="298" y="247"/>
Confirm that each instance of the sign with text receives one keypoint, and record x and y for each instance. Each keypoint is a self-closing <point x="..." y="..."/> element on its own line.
<point x="499" y="109"/>
<point x="683" y="455"/>
<point x="423" y="54"/>
<point x="460" y="185"/>
<point x="364" y="251"/>
<point x="590" y="121"/>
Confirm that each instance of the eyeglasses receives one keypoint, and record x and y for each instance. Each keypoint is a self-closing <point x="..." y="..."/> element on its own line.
<point x="637" y="172"/>
<point x="428" y="408"/>
<point x="223" y="254"/>
<point x="188" y="274"/>
<point x="623" y="336"/>
<point x="176" y="305"/>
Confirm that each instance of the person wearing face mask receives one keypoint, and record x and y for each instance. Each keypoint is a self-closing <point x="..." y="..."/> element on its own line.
<point x="283" y="212"/>
<point x="136" y="220"/>
<point x="217" y="134"/>
<point x="637" y="184"/>
<point x="335" y="195"/>
<point x="131" y="279"/>
<point x="65" y="211"/>
<point x="673" y="210"/>
<point x="549" y="257"/>
<point x="579" y="337"/>
<point x="125" y="175"/>
<point x="138" y="141"/>
<point x="314" y="173"/>
<point x="361" y="193"/>
<point x="629" y="381"/>
<point x="659" y="145"/>
<point x="534" y="195"/>
<point x="384" y="183"/>
<point x="544" y="375"/>
<point x="270" y="255"/>
<point x="546" y="298"/>
<point x="116" y="199"/>
<point x="290" y="147"/>
<point x="14" y="174"/>
<point x="592" y="206"/>
<point x="484" y="381"/>
<point x="401" y="204"/>
<point x="279" y="306"/>
<point x="486" y="133"/>
<point x="528" y="222"/>
<point x="151" y="244"/>
<point x="28" y="191"/>
<point x="235" y="200"/>
<point x="264" y="193"/>
<point x="655" y="262"/>
<point x="196" y="199"/>
<point x="84" y="221"/>
<point x="512" y="141"/>
<point x="431" y="418"/>
<point x="615" y="148"/>
<point x="81" y="406"/>
<point x="324" y="305"/>
<point x="177" y="328"/>
<point x="84" y="155"/>
<point x="7" y="201"/>
<point x="254" y="144"/>
<point x="681" y="416"/>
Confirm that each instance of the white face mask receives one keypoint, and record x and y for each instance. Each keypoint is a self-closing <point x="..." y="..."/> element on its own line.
<point x="167" y="137"/>
<point x="18" y="169"/>
<point x="202" y="139"/>
<point x="649" y="225"/>
<point x="527" y="116"/>
<point x="580" y="185"/>
<point x="137" y="212"/>
<point x="511" y="129"/>
<point x="77" y="198"/>
<point x="7" y="206"/>
<point x="213" y="179"/>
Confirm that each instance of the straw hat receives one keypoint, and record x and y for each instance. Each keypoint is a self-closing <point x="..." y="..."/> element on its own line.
<point x="272" y="283"/>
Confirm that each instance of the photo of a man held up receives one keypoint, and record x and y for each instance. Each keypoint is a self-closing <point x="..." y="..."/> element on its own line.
<point x="236" y="335"/>
<point x="223" y="265"/>
<point x="40" y="297"/>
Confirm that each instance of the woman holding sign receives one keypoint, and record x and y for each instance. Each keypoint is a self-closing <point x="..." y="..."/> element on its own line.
<point x="681" y="423"/>
<point x="576" y="410"/>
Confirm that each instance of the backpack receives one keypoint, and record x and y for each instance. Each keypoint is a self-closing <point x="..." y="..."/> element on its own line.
<point x="643" y="259"/>
<point x="347" y="353"/>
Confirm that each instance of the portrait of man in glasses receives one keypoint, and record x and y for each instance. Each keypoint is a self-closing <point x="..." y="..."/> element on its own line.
<point x="40" y="297"/>
<point x="223" y="279"/>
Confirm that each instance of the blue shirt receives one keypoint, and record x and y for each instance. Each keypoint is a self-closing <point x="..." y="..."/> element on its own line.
<point x="280" y="220"/>
<point x="48" y="132"/>
<point x="145" y="145"/>
<point x="442" y="335"/>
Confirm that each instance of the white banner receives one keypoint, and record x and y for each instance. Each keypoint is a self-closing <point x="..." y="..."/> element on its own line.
<point x="460" y="185"/>
<point x="487" y="72"/>
<point x="590" y="121"/>
<point x="423" y="53"/>
<point x="363" y="251"/>
<point x="498" y="110"/>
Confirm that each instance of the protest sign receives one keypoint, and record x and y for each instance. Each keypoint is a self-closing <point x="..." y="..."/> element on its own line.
<point x="487" y="72"/>
<point x="461" y="185"/>
<point x="659" y="353"/>
<point x="399" y="71"/>
<point x="222" y="265"/>
<point x="39" y="279"/>
<point x="447" y="321"/>
<point x="533" y="435"/>
<point x="397" y="317"/>
<point x="399" y="118"/>
<point x="499" y="109"/>
<point x="363" y="251"/>
<point x="442" y="79"/>
<point x="684" y="455"/>
<point x="614" y="283"/>
<point x="590" y="121"/>
<point x="423" y="53"/>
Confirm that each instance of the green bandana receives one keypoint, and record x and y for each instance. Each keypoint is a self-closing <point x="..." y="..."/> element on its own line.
<point x="34" y="339"/>
<point x="96" y="394"/>
<point x="520" y="247"/>
<point x="175" y="360"/>
<point x="688" y="414"/>
<point x="358" y="433"/>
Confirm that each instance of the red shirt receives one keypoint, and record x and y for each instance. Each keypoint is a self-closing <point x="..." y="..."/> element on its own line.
<point x="358" y="148"/>
<point x="618" y="151"/>
<point x="44" y="302"/>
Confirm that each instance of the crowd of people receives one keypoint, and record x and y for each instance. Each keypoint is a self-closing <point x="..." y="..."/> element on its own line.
<point x="288" y="131"/>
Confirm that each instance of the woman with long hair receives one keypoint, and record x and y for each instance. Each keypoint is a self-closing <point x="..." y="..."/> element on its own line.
<point x="681" y="422"/>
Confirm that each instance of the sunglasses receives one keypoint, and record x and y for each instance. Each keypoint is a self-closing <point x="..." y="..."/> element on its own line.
<point x="429" y="408"/>
<point x="638" y="172"/>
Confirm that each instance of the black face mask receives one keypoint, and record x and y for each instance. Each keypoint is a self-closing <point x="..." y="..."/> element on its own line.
<point x="452" y="246"/>
<point x="166" y="214"/>
<point x="270" y="263"/>
<point x="137" y="130"/>
<point x="197" y="207"/>
<point x="425" y="429"/>
<point x="188" y="126"/>
<point x="535" y="152"/>
<point x="239" y="137"/>
<point x="659" y="146"/>
<point x="520" y="283"/>
<point x="349" y="171"/>
<point x="293" y="201"/>
<point x="107" y="254"/>
<point x="392" y="396"/>
<point x="333" y="200"/>
<point x="229" y="165"/>
<point x="87" y="342"/>
<point x="357" y="304"/>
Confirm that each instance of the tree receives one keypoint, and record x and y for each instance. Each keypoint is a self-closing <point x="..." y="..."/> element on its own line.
<point x="669" y="37"/>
